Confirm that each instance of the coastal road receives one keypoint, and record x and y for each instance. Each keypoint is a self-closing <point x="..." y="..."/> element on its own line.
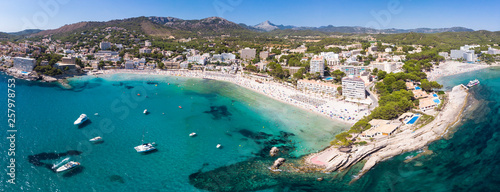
<point x="372" y="96"/>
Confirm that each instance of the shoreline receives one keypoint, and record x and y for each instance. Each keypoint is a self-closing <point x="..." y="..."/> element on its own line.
<point x="404" y="140"/>
<point x="276" y="91"/>
<point x="449" y="68"/>
<point x="374" y="152"/>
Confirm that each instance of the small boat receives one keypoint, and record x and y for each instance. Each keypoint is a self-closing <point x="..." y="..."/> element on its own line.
<point x="56" y="165"/>
<point x="473" y="83"/>
<point x="219" y="146"/>
<point x="145" y="147"/>
<point x="145" y="111"/>
<point x="180" y="107"/>
<point x="95" y="139"/>
<point x="192" y="134"/>
<point x="81" y="119"/>
<point x="96" y="114"/>
<point x="68" y="166"/>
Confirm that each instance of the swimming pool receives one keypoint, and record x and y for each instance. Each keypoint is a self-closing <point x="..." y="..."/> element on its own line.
<point x="417" y="88"/>
<point x="329" y="78"/>
<point x="435" y="95"/>
<point x="413" y="119"/>
<point x="437" y="101"/>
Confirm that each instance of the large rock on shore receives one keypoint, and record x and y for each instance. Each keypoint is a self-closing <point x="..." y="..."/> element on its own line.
<point x="48" y="78"/>
<point x="278" y="163"/>
<point x="274" y="151"/>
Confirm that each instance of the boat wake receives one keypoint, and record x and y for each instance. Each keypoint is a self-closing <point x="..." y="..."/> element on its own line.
<point x="56" y="165"/>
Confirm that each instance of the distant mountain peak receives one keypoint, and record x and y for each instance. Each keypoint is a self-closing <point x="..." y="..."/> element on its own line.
<point x="266" y="26"/>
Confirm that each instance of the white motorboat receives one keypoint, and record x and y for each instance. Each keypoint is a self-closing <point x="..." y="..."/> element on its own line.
<point x="219" y="146"/>
<point x="144" y="148"/>
<point x="81" y="119"/>
<point x="96" y="139"/>
<point x="192" y="134"/>
<point x="473" y="83"/>
<point x="68" y="166"/>
<point x="145" y="111"/>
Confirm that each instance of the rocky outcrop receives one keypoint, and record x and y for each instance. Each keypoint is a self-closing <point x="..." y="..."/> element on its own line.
<point x="274" y="151"/>
<point x="278" y="163"/>
<point x="333" y="159"/>
<point x="341" y="160"/>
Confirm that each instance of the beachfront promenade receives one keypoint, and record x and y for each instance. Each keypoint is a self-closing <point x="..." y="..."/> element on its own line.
<point x="330" y="107"/>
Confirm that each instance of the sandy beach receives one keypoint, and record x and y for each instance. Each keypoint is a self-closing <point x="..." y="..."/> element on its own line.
<point x="452" y="68"/>
<point x="333" y="108"/>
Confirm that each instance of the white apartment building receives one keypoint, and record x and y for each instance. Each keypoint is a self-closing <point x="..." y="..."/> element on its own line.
<point x="493" y="51"/>
<point x="385" y="66"/>
<point x="24" y="64"/>
<point x="443" y="54"/>
<point x="105" y="45"/>
<point x="318" y="65"/>
<point x="145" y="50"/>
<point x="247" y="53"/>
<point x="317" y="87"/>
<point x="353" y="87"/>
<point x="198" y="59"/>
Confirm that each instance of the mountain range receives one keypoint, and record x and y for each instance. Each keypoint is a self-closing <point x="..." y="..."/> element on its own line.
<point x="268" y="26"/>
<point x="170" y="26"/>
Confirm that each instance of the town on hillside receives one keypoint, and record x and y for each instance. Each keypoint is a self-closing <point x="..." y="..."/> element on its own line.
<point x="378" y="87"/>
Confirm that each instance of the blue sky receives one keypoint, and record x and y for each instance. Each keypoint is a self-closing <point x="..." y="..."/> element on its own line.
<point x="405" y="14"/>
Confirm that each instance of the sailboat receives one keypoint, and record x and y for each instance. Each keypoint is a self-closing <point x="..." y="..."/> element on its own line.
<point x="144" y="147"/>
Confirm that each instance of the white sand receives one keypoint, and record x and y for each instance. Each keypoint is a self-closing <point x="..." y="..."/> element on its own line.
<point x="452" y="68"/>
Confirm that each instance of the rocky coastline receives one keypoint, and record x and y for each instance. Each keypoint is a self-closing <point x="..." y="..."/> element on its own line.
<point x="404" y="141"/>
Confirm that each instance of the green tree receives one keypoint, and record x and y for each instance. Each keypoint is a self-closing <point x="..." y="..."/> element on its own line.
<point x="79" y="62"/>
<point x="398" y="85"/>
<point x="381" y="74"/>
<point x="389" y="79"/>
<point x="160" y="65"/>
<point x="425" y="85"/>
<point x="338" y="75"/>
<point x="251" y="67"/>
<point x="343" y="139"/>
<point x="360" y="126"/>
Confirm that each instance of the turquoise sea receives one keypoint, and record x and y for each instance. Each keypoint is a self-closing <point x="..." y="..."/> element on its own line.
<point x="467" y="160"/>
<point x="245" y="123"/>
